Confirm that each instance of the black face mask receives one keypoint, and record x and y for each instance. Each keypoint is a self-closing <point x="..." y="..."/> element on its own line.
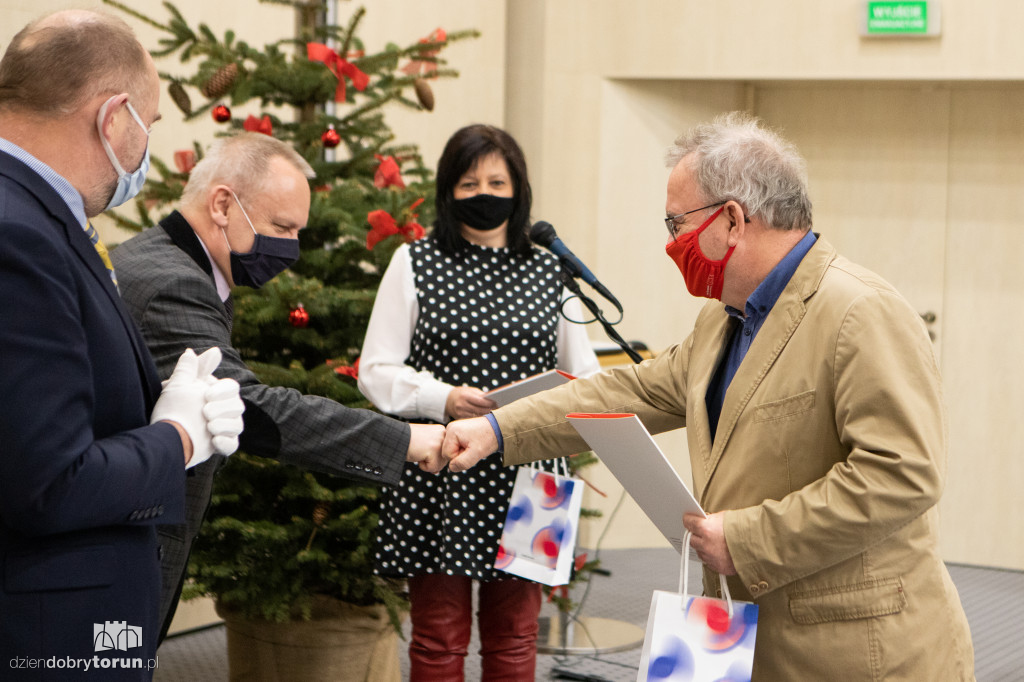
<point x="269" y="256"/>
<point x="483" y="211"/>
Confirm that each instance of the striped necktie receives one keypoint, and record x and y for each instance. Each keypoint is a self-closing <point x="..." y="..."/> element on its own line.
<point x="97" y="244"/>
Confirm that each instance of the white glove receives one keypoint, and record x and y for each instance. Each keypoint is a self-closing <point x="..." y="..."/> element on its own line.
<point x="223" y="412"/>
<point x="187" y="394"/>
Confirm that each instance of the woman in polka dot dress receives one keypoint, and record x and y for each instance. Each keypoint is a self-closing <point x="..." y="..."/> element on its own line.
<point x="471" y="307"/>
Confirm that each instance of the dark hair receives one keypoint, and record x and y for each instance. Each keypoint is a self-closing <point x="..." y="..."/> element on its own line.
<point x="56" y="63"/>
<point x="462" y="151"/>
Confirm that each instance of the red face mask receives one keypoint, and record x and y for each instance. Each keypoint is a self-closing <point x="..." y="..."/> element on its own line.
<point x="703" y="276"/>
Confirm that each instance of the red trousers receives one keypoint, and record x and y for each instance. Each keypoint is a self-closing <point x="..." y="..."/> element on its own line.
<point x="442" y="619"/>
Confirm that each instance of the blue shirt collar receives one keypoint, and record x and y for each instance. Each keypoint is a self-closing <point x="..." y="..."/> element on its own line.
<point x="54" y="179"/>
<point x="760" y="303"/>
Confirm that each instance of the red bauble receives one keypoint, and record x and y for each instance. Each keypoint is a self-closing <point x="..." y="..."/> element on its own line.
<point x="299" y="317"/>
<point x="221" y="114"/>
<point x="330" y="138"/>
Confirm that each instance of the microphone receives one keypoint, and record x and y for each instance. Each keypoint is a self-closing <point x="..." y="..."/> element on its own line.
<point x="543" y="233"/>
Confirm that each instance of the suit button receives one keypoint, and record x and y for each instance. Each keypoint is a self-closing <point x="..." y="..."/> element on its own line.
<point x="377" y="470"/>
<point x="718" y="593"/>
<point x="160" y="510"/>
<point x="762" y="586"/>
<point x="753" y="589"/>
<point x="134" y="516"/>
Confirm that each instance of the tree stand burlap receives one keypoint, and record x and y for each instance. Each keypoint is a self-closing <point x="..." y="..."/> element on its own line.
<point x="342" y="643"/>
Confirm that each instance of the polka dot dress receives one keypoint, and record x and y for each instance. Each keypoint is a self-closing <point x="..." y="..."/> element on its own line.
<point x="487" y="318"/>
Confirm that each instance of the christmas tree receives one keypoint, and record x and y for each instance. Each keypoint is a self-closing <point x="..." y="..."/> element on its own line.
<point x="276" y="536"/>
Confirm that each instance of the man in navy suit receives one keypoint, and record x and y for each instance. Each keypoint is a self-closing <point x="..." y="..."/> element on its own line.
<point x="92" y="451"/>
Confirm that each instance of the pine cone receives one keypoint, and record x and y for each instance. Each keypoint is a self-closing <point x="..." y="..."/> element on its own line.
<point x="320" y="513"/>
<point x="177" y="92"/>
<point x="424" y="94"/>
<point x="221" y="81"/>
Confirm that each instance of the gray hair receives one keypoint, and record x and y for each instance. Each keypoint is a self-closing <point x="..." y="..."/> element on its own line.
<point x="241" y="163"/>
<point x="734" y="157"/>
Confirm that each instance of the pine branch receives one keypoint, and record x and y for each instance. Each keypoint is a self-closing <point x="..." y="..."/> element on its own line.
<point x="141" y="17"/>
<point x="351" y="30"/>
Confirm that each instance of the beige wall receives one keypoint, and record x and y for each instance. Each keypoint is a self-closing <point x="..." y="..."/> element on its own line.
<point x="914" y="149"/>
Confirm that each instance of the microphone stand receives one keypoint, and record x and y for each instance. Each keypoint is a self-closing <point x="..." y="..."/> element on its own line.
<point x="608" y="636"/>
<point x="572" y="285"/>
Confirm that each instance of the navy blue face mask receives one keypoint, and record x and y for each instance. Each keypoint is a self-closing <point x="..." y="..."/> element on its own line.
<point x="268" y="257"/>
<point x="483" y="211"/>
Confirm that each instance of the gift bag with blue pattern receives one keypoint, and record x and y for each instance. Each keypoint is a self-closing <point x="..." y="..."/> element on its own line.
<point x="698" y="639"/>
<point x="539" y="537"/>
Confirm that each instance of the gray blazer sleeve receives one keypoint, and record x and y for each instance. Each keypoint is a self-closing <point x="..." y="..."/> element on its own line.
<point x="178" y="308"/>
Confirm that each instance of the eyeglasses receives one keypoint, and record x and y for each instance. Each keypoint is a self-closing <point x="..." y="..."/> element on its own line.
<point x="673" y="227"/>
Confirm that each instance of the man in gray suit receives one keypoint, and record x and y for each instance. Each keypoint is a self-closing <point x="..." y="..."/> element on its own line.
<point x="238" y="223"/>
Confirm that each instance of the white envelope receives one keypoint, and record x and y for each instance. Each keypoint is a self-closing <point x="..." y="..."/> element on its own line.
<point x="622" y="442"/>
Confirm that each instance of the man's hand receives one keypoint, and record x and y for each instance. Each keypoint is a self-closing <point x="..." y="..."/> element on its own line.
<point x="709" y="542"/>
<point x="425" y="447"/>
<point x="207" y="409"/>
<point x="468" y="441"/>
<point x="464" y="402"/>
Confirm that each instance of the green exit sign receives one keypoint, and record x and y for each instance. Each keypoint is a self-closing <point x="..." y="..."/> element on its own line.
<point x="914" y="18"/>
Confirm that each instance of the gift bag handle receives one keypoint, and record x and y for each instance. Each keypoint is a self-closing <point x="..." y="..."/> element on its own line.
<point x="684" y="576"/>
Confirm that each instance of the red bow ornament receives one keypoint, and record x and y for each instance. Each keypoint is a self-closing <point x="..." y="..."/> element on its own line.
<point x="345" y="370"/>
<point x="388" y="173"/>
<point x="259" y="125"/>
<point x="341" y="68"/>
<point x="420" y="66"/>
<point x="185" y="160"/>
<point x="411" y="229"/>
<point x="382" y="226"/>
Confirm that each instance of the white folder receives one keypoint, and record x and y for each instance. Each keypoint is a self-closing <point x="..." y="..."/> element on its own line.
<point x="622" y="442"/>
<point x="503" y="395"/>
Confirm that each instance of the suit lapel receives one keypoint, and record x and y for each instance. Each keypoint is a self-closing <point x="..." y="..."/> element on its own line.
<point x="787" y="313"/>
<point x="708" y="348"/>
<point x="79" y="243"/>
<point x="85" y="251"/>
<point x="184" y="237"/>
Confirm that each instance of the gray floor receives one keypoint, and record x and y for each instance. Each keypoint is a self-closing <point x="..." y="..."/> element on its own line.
<point x="993" y="599"/>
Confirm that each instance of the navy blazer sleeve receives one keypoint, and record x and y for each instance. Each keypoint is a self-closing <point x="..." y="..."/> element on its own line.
<point x="77" y="450"/>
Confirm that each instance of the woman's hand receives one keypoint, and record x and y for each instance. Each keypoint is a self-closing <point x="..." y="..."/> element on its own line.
<point x="465" y="402"/>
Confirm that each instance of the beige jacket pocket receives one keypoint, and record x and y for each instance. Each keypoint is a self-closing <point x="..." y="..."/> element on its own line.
<point x="787" y="407"/>
<point x="881" y="597"/>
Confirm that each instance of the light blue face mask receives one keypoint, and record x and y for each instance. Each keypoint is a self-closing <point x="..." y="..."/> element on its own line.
<point x="128" y="184"/>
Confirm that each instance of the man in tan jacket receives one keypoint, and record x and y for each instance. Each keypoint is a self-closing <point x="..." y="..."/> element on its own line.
<point x="816" y="426"/>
